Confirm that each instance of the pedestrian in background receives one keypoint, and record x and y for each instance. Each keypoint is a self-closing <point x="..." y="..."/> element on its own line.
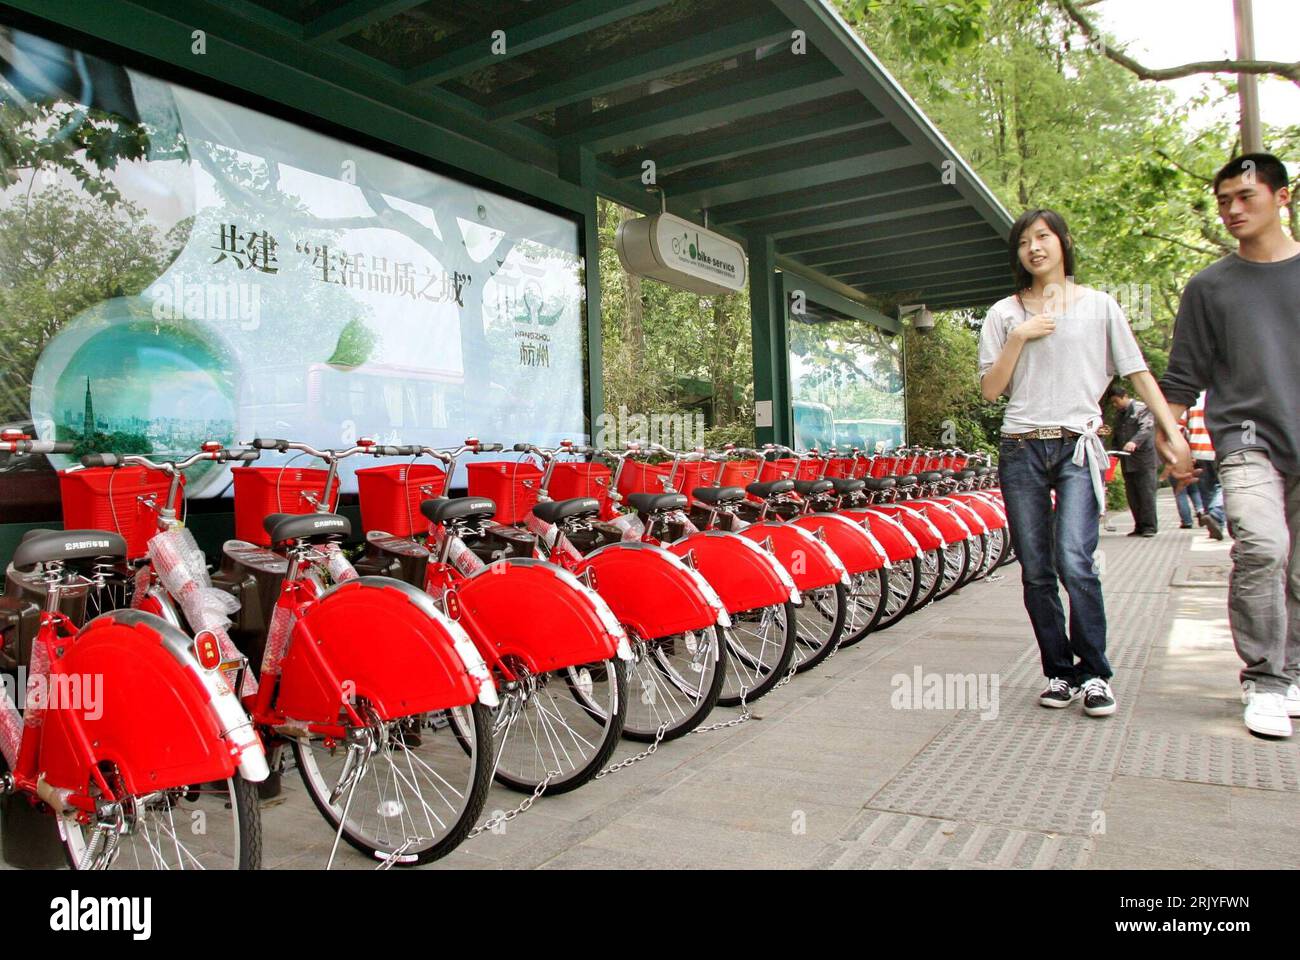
<point x="1135" y="434"/>
<point x="1207" y="488"/>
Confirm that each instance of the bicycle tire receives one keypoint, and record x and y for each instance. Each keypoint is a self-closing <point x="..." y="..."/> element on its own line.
<point x="886" y="584"/>
<point x="609" y="718"/>
<point x="758" y="675"/>
<point x="956" y="558"/>
<point x="659" y="655"/>
<point x="931" y="566"/>
<point x="820" y="611"/>
<point x="475" y="745"/>
<point x="243" y="843"/>
<point x="905" y="587"/>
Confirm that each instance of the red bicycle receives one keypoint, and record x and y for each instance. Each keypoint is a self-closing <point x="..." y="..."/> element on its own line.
<point x="674" y="620"/>
<point x="554" y="647"/>
<point x="132" y="735"/>
<point x="783" y="506"/>
<point x="758" y="592"/>
<point x="383" y="697"/>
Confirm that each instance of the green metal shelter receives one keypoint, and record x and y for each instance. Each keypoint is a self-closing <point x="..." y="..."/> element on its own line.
<point x="770" y="118"/>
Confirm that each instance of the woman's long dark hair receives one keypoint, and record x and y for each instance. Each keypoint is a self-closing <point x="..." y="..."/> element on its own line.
<point x="1056" y="223"/>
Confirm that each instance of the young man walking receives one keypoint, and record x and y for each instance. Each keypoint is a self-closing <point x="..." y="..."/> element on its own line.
<point x="1135" y="432"/>
<point x="1238" y="333"/>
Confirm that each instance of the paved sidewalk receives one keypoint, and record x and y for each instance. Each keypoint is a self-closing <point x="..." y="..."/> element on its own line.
<point x="830" y="774"/>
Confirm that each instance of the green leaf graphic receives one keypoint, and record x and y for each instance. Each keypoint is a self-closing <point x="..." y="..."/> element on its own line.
<point x="356" y="341"/>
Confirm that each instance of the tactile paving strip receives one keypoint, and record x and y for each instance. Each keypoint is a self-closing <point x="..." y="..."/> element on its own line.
<point x="1215" y="760"/>
<point x="876" y="840"/>
<point x="1033" y="776"/>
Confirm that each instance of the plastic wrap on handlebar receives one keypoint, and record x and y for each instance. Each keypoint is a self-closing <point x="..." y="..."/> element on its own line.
<point x="489" y="447"/>
<point x="100" y="460"/>
<point x="261" y="444"/>
<point x="240" y="455"/>
<point x="43" y="446"/>
<point x="518" y="447"/>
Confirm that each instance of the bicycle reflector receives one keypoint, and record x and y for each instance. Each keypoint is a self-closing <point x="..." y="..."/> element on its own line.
<point x="211" y="446"/>
<point x="207" y="651"/>
<point x="451" y="605"/>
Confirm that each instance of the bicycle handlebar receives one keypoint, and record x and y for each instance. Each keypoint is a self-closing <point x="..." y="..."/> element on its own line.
<point x="166" y="466"/>
<point x="36" y="446"/>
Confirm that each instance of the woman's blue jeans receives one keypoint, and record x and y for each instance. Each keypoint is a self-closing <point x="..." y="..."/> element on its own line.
<point x="1056" y="544"/>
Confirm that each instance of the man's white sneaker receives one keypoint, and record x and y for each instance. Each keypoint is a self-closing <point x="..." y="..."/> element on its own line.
<point x="1293" y="700"/>
<point x="1247" y="691"/>
<point x="1266" y="715"/>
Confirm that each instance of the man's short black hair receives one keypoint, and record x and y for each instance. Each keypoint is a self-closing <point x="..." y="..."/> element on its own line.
<point x="1116" y="390"/>
<point x="1266" y="168"/>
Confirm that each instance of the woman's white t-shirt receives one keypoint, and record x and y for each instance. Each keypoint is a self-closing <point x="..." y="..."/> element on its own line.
<point x="1060" y="378"/>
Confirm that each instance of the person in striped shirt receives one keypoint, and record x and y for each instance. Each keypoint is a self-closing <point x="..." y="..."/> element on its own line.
<point x="1207" y="484"/>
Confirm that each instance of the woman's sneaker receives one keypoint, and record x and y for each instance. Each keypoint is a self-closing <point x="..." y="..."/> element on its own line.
<point x="1098" y="698"/>
<point x="1059" y="693"/>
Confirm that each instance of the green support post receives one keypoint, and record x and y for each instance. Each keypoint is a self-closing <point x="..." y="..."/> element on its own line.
<point x="577" y="166"/>
<point x="771" y="348"/>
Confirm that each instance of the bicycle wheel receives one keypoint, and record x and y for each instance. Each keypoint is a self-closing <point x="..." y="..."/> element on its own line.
<point x="405" y="789"/>
<point x="760" y="646"/>
<point x="955" y="557"/>
<point x="978" y="544"/>
<point x="565" y="722"/>
<point x="997" y="546"/>
<point x="870" y="594"/>
<point x="673" y="682"/>
<point x="819" y="628"/>
<point x="931" y="579"/>
<point x="904" y="590"/>
<point x="208" y="826"/>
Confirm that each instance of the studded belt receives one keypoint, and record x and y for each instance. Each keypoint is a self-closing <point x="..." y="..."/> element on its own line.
<point x="1043" y="433"/>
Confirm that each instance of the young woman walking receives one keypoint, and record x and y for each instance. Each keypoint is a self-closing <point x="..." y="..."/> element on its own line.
<point x="1053" y="348"/>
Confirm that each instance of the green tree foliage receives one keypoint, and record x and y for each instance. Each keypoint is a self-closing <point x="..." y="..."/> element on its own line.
<point x="673" y="351"/>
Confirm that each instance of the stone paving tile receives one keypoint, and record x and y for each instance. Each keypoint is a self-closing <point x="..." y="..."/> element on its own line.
<point x="881" y="840"/>
<point x="1200" y="759"/>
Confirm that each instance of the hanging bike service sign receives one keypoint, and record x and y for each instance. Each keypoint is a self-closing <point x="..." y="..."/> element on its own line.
<point x="680" y="253"/>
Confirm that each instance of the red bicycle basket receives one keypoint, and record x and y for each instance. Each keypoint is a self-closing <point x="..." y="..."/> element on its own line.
<point x="778" y="470"/>
<point x="391" y="496"/>
<point x="809" y="469"/>
<point x="692" y="475"/>
<point x="569" y="480"/>
<point x="511" y="486"/>
<point x="114" y="498"/>
<point x="262" y="491"/>
<point x="642" y="477"/>
<point x="840" y="467"/>
<point x="739" y="473"/>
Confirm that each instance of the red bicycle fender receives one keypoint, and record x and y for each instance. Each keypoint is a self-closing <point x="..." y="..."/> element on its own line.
<point x="857" y="549"/>
<point x="150" y="716"/>
<point x="809" y="561"/>
<point x="919" y="524"/>
<point x="539" y="613"/>
<point x="950" y="523"/>
<point x="651" y="590"/>
<point x="969" y="515"/>
<point x="745" y="575"/>
<point x="381" y="640"/>
<point x="903" y="537"/>
<point x="990" y="512"/>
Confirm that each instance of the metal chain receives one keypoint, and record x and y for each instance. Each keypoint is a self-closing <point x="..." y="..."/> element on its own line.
<point x="522" y="808"/>
<point x="794" y="667"/>
<point x="659" y="736"/>
<point x="737" y="721"/>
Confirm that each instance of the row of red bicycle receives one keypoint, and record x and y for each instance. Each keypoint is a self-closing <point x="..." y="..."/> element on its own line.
<point x="573" y="597"/>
